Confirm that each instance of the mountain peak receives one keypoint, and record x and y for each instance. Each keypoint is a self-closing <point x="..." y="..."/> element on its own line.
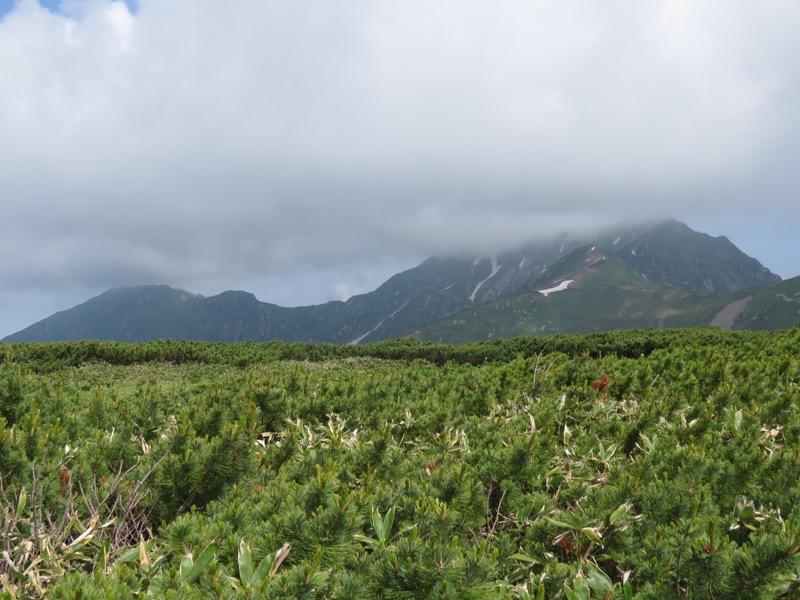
<point x="673" y="253"/>
<point x="652" y="262"/>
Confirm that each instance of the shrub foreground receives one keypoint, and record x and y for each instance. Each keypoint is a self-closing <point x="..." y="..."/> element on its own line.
<point x="630" y="465"/>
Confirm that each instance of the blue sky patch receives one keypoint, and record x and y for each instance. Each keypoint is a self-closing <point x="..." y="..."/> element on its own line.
<point x="6" y="6"/>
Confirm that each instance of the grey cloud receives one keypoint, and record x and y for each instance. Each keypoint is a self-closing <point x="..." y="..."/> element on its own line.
<point x="208" y="145"/>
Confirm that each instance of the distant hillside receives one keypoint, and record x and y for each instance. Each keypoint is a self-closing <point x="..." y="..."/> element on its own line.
<point x="650" y="275"/>
<point x="592" y="290"/>
<point x="773" y="306"/>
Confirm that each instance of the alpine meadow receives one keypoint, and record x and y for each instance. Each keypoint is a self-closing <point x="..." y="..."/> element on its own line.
<point x="630" y="464"/>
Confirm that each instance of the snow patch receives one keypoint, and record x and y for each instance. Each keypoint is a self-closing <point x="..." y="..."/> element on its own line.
<point x="358" y="339"/>
<point x="633" y="252"/>
<point x="495" y="269"/>
<point x="616" y="241"/>
<point x="559" y="288"/>
<point x="522" y="262"/>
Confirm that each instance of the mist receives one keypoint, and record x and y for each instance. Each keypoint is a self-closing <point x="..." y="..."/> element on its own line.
<point x="306" y="151"/>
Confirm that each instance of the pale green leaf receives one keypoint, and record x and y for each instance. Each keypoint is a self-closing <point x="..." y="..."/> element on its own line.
<point x="245" y="563"/>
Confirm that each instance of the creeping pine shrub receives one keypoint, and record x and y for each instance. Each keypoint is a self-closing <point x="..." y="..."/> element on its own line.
<point x="11" y="393"/>
<point x="658" y="464"/>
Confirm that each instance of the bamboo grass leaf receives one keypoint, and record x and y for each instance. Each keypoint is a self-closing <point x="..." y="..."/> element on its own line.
<point x="263" y="569"/>
<point x="21" y="501"/>
<point x="131" y="554"/>
<point x="186" y="566"/>
<point x="619" y="513"/>
<point x="598" y="580"/>
<point x="190" y="570"/>
<point x="280" y="556"/>
<point x="580" y="589"/>
<point x="245" y="563"/>
<point x="594" y="534"/>
<point x="527" y="558"/>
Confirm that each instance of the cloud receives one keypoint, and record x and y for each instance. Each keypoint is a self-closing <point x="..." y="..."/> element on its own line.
<point x="201" y="144"/>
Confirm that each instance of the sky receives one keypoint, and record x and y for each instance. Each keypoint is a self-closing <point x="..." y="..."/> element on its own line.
<point x="307" y="150"/>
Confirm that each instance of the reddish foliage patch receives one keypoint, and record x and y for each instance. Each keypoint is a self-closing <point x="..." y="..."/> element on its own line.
<point x="601" y="384"/>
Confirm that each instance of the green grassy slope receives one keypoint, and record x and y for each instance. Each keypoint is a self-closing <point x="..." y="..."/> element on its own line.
<point x="775" y="306"/>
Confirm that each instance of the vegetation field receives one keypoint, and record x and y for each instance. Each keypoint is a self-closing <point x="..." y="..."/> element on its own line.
<point x="636" y="464"/>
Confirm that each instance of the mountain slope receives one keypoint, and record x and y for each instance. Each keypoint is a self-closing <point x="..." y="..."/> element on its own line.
<point x="663" y="252"/>
<point x="672" y="253"/>
<point x="125" y="314"/>
<point x="774" y="306"/>
<point x="657" y="260"/>
<point x="586" y="291"/>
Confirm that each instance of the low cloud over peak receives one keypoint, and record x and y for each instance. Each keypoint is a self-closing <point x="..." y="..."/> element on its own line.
<point x="207" y="145"/>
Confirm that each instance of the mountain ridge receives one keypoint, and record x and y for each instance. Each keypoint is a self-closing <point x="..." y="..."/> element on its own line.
<point x="664" y="259"/>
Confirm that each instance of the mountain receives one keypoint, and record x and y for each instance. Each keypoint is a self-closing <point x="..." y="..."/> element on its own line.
<point x="588" y="290"/>
<point x="672" y="253"/>
<point x="773" y="306"/>
<point x="652" y="274"/>
<point x="610" y="295"/>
